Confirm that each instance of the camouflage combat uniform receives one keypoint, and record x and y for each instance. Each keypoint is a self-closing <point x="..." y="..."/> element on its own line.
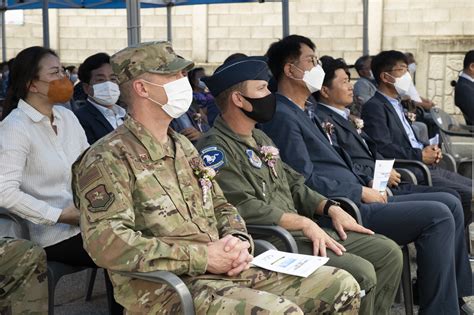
<point x="142" y="209"/>
<point x="23" y="278"/>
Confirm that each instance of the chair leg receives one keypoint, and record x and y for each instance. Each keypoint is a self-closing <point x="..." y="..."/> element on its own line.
<point x="114" y="307"/>
<point x="51" y="285"/>
<point x="406" y="282"/>
<point x="91" y="274"/>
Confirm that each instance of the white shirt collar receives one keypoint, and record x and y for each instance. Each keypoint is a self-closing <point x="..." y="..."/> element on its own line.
<point x="33" y="113"/>
<point x="117" y="110"/>
<point x="344" y="113"/>
<point x="466" y="76"/>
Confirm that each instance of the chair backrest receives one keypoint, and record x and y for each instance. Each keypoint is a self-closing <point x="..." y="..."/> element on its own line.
<point x="443" y="120"/>
<point x="450" y="127"/>
<point x="12" y="226"/>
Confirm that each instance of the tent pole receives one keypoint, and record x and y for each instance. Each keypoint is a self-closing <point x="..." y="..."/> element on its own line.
<point x="169" y="31"/>
<point x="45" y="24"/>
<point x="4" y="39"/>
<point x="133" y="22"/>
<point x="365" y="31"/>
<point x="285" y="12"/>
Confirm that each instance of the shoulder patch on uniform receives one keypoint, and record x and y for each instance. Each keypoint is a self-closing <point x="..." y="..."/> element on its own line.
<point x="213" y="157"/>
<point x="99" y="199"/>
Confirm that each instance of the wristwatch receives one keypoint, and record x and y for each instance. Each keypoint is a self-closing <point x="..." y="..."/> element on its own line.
<point x="328" y="204"/>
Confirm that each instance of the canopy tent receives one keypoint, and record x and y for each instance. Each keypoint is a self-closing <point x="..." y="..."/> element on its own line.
<point x="133" y="12"/>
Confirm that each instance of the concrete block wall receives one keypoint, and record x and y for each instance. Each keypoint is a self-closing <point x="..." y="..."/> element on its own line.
<point x="406" y="21"/>
<point x="208" y="34"/>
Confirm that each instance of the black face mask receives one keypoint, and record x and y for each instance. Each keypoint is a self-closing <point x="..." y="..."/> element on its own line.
<point x="263" y="108"/>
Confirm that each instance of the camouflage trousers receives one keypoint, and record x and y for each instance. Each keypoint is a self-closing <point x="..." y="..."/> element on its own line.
<point x="23" y="278"/>
<point x="327" y="291"/>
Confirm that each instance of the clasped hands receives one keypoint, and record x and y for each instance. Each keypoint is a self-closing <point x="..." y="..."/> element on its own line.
<point x="228" y="255"/>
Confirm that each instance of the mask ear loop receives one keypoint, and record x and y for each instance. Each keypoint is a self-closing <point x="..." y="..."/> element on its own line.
<point x="394" y="78"/>
<point x="294" y="78"/>
<point x="149" y="98"/>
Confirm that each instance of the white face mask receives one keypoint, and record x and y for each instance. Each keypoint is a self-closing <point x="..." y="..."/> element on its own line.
<point x="412" y="68"/>
<point x="371" y="76"/>
<point x="180" y="96"/>
<point x="73" y="77"/>
<point x="313" y="78"/>
<point x="403" y="84"/>
<point x="106" y="93"/>
<point x="202" y="85"/>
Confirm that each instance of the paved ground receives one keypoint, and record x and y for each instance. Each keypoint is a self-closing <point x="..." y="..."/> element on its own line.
<point x="70" y="294"/>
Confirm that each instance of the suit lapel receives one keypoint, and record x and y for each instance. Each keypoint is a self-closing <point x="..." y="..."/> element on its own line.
<point x="99" y="117"/>
<point x="346" y="124"/>
<point x="395" y="117"/>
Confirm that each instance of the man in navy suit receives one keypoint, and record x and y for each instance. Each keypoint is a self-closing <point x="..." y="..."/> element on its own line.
<point x="100" y="115"/>
<point x="305" y="145"/>
<point x="333" y="101"/>
<point x="386" y="124"/>
<point x="464" y="91"/>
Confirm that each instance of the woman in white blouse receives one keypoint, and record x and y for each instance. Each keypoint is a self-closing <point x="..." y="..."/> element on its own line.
<point x="39" y="142"/>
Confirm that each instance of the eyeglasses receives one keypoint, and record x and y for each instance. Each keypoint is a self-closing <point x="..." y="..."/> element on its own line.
<point x="313" y="59"/>
<point x="401" y="68"/>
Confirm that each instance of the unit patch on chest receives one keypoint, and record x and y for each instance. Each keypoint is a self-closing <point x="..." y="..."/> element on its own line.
<point x="253" y="158"/>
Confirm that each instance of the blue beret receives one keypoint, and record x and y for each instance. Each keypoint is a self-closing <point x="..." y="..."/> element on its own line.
<point x="236" y="71"/>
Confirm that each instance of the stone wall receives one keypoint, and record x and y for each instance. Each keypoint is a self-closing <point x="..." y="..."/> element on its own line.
<point x="208" y="34"/>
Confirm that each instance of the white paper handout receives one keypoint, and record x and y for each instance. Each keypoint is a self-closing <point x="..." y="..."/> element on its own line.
<point x="435" y="140"/>
<point x="289" y="263"/>
<point x="382" y="171"/>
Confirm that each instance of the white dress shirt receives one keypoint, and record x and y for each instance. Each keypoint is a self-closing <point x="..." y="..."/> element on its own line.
<point x="114" y="116"/>
<point x="35" y="169"/>
<point x="344" y="113"/>
<point x="466" y="76"/>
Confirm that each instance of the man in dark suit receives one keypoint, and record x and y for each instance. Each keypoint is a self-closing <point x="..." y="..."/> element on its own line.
<point x="100" y="115"/>
<point x="435" y="225"/>
<point x="348" y="134"/>
<point x="386" y="124"/>
<point x="464" y="91"/>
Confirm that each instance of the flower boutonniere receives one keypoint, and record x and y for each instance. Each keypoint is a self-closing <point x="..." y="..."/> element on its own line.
<point x="270" y="155"/>
<point x="328" y="129"/>
<point x="358" y="123"/>
<point x="410" y="116"/>
<point x="204" y="174"/>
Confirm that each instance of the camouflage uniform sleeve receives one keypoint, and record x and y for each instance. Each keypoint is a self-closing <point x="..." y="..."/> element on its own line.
<point x="102" y="192"/>
<point x="228" y="218"/>
<point x="306" y="200"/>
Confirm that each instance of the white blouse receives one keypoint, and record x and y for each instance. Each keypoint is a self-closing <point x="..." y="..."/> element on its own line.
<point x="35" y="169"/>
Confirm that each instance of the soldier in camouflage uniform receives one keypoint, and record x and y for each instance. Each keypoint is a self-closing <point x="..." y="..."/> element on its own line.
<point x="148" y="203"/>
<point x="23" y="278"/>
<point x="267" y="191"/>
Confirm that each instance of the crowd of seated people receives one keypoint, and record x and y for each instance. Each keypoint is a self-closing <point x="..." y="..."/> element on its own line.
<point x="155" y="165"/>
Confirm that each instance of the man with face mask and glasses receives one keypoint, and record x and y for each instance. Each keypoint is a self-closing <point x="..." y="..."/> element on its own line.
<point x="267" y="191"/>
<point x="148" y="203"/>
<point x="386" y="124"/>
<point x="101" y="114"/>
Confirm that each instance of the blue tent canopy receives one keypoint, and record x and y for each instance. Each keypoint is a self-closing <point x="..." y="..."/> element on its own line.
<point x="107" y="4"/>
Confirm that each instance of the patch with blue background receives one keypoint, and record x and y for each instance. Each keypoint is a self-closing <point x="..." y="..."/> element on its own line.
<point x="213" y="157"/>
